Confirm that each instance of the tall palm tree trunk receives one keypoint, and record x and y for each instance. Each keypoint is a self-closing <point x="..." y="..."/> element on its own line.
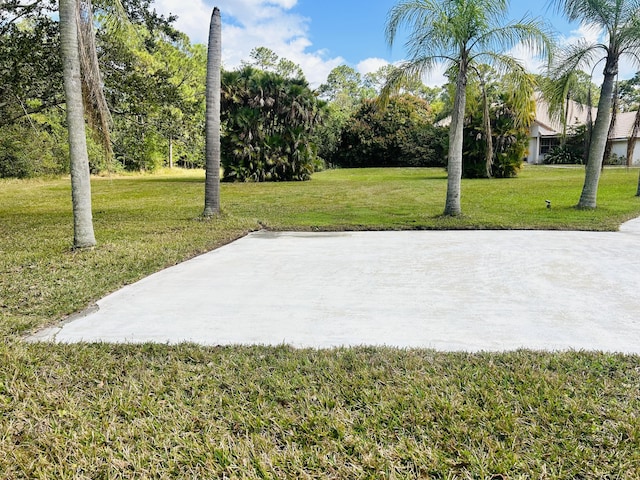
<point x="454" y="168"/>
<point x="214" y="59"/>
<point x="598" y="139"/>
<point x="83" y="235"/>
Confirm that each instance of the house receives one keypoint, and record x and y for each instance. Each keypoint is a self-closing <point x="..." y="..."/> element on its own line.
<point x="546" y="132"/>
<point x="620" y="137"/>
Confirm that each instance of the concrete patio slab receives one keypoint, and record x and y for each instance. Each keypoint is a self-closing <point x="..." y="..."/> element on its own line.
<point x="446" y="290"/>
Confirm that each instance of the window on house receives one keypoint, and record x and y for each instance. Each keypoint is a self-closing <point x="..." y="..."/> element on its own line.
<point x="547" y="143"/>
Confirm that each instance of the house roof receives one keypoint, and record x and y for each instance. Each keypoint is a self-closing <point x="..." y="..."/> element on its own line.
<point x="577" y="114"/>
<point x="624" y="125"/>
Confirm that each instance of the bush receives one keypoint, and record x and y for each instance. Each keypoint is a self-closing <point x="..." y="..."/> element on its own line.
<point x="563" y="155"/>
<point x="509" y="145"/>
<point x="38" y="146"/>
<point x="401" y="135"/>
<point x="614" y="159"/>
<point x="31" y="150"/>
<point x="268" y="123"/>
<point x="572" y="152"/>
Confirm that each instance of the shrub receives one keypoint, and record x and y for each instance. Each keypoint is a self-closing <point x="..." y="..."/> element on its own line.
<point x="573" y="150"/>
<point x="401" y="135"/>
<point x="31" y="150"/>
<point x="268" y="124"/>
<point x="562" y="155"/>
<point x="509" y="145"/>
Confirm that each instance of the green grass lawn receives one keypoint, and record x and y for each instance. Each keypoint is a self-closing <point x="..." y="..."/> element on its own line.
<point x="157" y="411"/>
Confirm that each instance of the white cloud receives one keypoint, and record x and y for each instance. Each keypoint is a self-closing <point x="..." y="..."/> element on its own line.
<point x="436" y="77"/>
<point x="247" y="24"/>
<point x="586" y="31"/>
<point x="371" y="65"/>
<point x="532" y="62"/>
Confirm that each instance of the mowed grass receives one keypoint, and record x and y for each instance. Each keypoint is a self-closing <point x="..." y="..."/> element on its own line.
<point x="158" y="411"/>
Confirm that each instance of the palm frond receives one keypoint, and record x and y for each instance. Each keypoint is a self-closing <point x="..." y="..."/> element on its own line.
<point x="581" y="55"/>
<point x="95" y="103"/>
<point x="533" y="33"/>
<point x="589" y="11"/>
<point x="520" y="84"/>
<point x="408" y="13"/>
<point x="404" y="73"/>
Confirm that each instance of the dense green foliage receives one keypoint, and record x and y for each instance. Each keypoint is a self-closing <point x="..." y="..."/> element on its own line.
<point x="154" y="83"/>
<point x="509" y="145"/>
<point x="153" y="77"/>
<point x="572" y="151"/>
<point x="267" y="121"/>
<point x="30" y="67"/>
<point x="400" y="134"/>
<point x="502" y="107"/>
<point x="349" y="95"/>
<point x="155" y="89"/>
<point x="31" y="143"/>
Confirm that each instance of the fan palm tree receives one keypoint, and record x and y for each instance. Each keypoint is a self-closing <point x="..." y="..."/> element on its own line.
<point x="214" y="60"/>
<point x="620" y="20"/>
<point x="460" y="33"/>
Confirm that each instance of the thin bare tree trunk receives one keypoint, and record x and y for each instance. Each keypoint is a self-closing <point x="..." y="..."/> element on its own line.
<point x="83" y="236"/>
<point x="589" y="131"/>
<point x="170" y="152"/>
<point x="487" y="132"/>
<point x="631" y="143"/>
<point x="214" y="59"/>
<point x="565" y="120"/>
<point x="614" y="116"/>
<point x="454" y="168"/>
<point x="598" y="140"/>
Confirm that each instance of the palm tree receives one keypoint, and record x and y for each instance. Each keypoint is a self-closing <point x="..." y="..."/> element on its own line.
<point x="84" y="95"/>
<point x="620" y="20"/>
<point x="214" y="60"/>
<point x="83" y="236"/>
<point x="269" y="124"/>
<point x="460" y="33"/>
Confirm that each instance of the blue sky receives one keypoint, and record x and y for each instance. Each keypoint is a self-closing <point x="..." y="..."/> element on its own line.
<point x="354" y="29"/>
<point x="322" y="34"/>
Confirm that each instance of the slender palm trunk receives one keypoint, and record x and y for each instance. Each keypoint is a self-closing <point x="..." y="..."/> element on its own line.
<point x="565" y="120"/>
<point x="487" y="131"/>
<point x="454" y="168"/>
<point x="83" y="235"/>
<point x="631" y="143"/>
<point x="212" y="183"/>
<point x="612" y="125"/>
<point x="599" y="138"/>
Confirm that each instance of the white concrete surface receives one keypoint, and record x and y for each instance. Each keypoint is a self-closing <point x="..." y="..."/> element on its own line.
<point x="446" y="290"/>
